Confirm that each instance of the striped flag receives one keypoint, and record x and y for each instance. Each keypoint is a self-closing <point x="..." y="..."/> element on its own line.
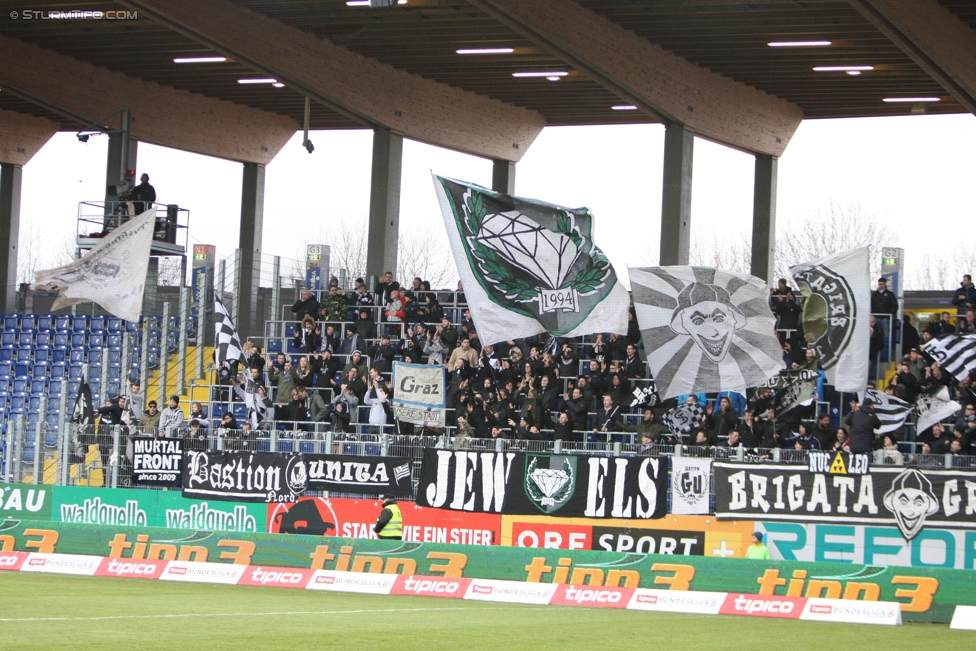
<point x="227" y="345"/>
<point x="956" y="354"/>
<point x="933" y="406"/>
<point x="891" y="411"/>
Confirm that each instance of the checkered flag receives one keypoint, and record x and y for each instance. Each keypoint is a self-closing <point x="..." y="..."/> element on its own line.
<point x="228" y="348"/>
<point x="683" y="419"/>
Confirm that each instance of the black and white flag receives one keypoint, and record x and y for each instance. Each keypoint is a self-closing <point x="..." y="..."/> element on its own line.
<point x="793" y="387"/>
<point x="933" y="406"/>
<point x="956" y="354"/>
<point x="684" y="419"/>
<point x="705" y="329"/>
<point x="891" y="411"/>
<point x="529" y="267"/>
<point x="644" y="395"/>
<point x="257" y="410"/>
<point x="84" y="411"/>
<point x="355" y="474"/>
<point x="227" y="345"/>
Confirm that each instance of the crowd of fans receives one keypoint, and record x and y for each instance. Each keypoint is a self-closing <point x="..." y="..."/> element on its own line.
<point x="542" y="388"/>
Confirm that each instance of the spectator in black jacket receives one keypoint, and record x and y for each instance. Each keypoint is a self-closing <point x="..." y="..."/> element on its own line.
<point x="305" y="305"/>
<point x="964" y="299"/>
<point x="721" y="422"/>
<point x="862" y="422"/>
<point x="608" y="417"/>
<point x="883" y="301"/>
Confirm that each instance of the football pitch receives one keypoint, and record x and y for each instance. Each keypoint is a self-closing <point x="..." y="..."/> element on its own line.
<point x="57" y="612"/>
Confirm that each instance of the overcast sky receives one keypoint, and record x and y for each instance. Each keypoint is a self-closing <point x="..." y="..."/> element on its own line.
<point x="915" y="174"/>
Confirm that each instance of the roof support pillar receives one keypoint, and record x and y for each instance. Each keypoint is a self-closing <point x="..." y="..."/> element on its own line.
<point x="10" y="182"/>
<point x="764" y="218"/>
<point x="252" y="231"/>
<point x="118" y="161"/>
<point x="679" y="147"/>
<point x="503" y="176"/>
<point x="384" y="203"/>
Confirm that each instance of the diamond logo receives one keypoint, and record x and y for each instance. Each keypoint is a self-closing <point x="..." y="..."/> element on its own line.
<point x="550" y="480"/>
<point x="546" y="255"/>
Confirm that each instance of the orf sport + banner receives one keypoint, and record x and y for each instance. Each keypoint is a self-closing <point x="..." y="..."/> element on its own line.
<point x="909" y="498"/>
<point x="529" y="267"/>
<point x="690" y="485"/>
<point x="244" y="476"/>
<point x="354" y="474"/>
<point x="705" y="329"/>
<point x="419" y="394"/>
<point x="549" y="484"/>
<point x="836" y="315"/>
<point x="157" y="461"/>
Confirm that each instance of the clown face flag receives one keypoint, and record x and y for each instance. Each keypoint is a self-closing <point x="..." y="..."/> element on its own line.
<point x="836" y="315"/>
<point x="705" y="329"/>
<point x="529" y="267"/>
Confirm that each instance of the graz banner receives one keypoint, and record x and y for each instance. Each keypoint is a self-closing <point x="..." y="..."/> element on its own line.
<point x="419" y="394"/>
<point x="156" y="461"/>
<point x="352" y="474"/>
<point x="690" y="485"/>
<point x="244" y="476"/>
<point x="909" y="498"/>
<point x="551" y="484"/>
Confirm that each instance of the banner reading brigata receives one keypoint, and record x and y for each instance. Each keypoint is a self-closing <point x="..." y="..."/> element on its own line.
<point x="552" y="484"/>
<point x="244" y="476"/>
<point x="419" y="394"/>
<point x="353" y="474"/>
<point x="156" y="461"/>
<point x="907" y="497"/>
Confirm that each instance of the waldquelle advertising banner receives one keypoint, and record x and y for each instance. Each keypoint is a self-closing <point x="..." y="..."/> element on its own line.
<point x="550" y="484"/>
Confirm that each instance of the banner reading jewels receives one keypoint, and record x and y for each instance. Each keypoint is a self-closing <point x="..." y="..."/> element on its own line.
<point x="244" y="476"/>
<point x="552" y="484"/>
<point x="353" y="474"/>
<point x="907" y="497"/>
<point x="156" y="461"/>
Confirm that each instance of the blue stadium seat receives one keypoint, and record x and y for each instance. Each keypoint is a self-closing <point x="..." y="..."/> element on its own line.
<point x="240" y="411"/>
<point x="6" y="368"/>
<point x="115" y="325"/>
<point x="95" y="356"/>
<point x="97" y="324"/>
<point x="79" y="323"/>
<point x="42" y="355"/>
<point x="41" y="370"/>
<point x="114" y="387"/>
<point x="61" y="339"/>
<point x="77" y="356"/>
<point x="79" y="340"/>
<point x="289" y="330"/>
<point x="114" y="371"/>
<point x="54" y="388"/>
<point x="4" y="403"/>
<point x="96" y="387"/>
<point x="59" y="354"/>
<point x="131" y="326"/>
<point x="25" y="338"/>
<point x="18" y="404"/>
<point x="6" y="353"/>
<point x="43" y="339"/>
<point x="115" y="355"/>
<point x="73" y="387"/>
<point x="11" y="321"/>
<point x="274" y="346"/>
<point x="20" y="386"/>
<point x="62" y="322"/>
<point x="45" y="322"/>
<point x="22" y="370"/>
<point x="28" y="322"/>
<point x="33" y="404"/>
<point x="57" y="370"/>
<point x="54" y="405"/>
<point x="114" y="341"/>
<point x="75" y="371"/>
<point x="8" y="338"/>
<point x="153" y="358"/>
<point x="24" y="354"/>
<point x="5" y="382"/>
<point x="96" y="340"/>
<point x="51" y="431"/>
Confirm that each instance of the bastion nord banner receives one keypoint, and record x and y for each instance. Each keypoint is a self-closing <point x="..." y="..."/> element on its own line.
<point x="551" y="484"/>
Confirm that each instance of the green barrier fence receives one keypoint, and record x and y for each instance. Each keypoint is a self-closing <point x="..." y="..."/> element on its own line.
<point x="926" y="594"/>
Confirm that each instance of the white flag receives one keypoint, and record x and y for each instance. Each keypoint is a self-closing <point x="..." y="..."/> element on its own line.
<point x="933" y="406"/>
<point x="690" y="485"/>
<point x="419" y="394"/>
<point x="529" y="267"/>
<point x="837" y="315"/>
<point x="891" y="411"/>
<point x="956" y="354"/>
<point x="112" y="274"/>
<point x="705" y="329"/>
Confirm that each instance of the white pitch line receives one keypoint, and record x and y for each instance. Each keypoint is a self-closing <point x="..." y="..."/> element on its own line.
<point x="293" y="612"/>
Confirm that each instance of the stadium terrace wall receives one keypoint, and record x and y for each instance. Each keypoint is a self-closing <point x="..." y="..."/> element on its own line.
<point x="929" y="594"/>
<point x="673" y="535"/>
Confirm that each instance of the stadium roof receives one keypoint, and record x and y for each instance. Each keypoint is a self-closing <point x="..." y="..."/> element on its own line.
<point x="727" y="37"/>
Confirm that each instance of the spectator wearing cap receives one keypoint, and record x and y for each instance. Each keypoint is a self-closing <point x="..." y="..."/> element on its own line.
<point x="353" y="342"/>
<point x="383" y="354"/>
<point x="172" y="415"/>
<point x="757" y="550"/>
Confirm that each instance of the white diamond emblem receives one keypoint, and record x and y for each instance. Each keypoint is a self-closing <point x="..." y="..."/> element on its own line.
<point x="547" y="255"/>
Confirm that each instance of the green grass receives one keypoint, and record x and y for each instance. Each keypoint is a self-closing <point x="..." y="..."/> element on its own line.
<point x="40" y="611"/>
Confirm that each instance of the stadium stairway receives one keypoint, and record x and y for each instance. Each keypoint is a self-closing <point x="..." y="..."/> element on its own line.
<point x="195" y="390"/>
